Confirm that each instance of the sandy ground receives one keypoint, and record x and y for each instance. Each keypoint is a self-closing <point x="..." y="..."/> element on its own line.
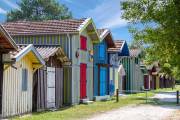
<point x="141" y="112"/>
<point x="144" y="112"/>
<point x="174" y="116"/>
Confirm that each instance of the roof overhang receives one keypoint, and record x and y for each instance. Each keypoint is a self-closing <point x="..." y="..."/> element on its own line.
<point x="89" y="25"/>
<point x="25" y="51"/>
<point x="6" y="41"/>
<point x="107" y="35"/>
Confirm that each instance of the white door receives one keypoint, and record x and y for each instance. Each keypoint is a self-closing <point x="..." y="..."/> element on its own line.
<point x="50" y="87"/>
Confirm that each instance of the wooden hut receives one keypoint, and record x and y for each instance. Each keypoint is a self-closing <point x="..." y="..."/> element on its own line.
<point x="18" y="79"/>
<point x="101" y="76"/>
<point x="153" y="70"/>
<point x="75" y="36"/>
<point x="6" y="45"/>
<point x="116" y="54"/>
<point x="134" y="75"/>
<point x="50" y="86"/>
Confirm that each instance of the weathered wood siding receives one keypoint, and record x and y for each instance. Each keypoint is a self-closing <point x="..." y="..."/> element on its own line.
<point x="1" y="82"/>
<point x="16" y="101"/>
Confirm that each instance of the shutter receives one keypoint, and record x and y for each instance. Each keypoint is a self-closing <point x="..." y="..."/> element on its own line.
<point x="83" y="43"/>
<point x="24" y="79"/>
<point x="101" y="52"/>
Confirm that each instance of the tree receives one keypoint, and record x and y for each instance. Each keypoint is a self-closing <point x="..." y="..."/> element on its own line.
<point x="37" y="10"/>
<point x="161" y="31"/>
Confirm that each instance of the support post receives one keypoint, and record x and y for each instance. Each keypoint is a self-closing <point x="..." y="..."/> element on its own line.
<point x="146" y="97"/>
<point x="177" y="96"/>
<point x="117" y="95"/>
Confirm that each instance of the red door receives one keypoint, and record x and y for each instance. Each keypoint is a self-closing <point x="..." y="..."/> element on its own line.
<point x="83" y="80"/>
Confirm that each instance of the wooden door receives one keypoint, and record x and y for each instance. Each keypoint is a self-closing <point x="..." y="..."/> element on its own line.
<point x="83" y="80"/>
<point x="50" y="87"/>
<point x="59" y="87"/>
<point x="102" y="81"/>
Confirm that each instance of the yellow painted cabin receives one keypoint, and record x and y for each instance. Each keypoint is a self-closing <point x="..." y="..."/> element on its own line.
<point x="18" y="81"/>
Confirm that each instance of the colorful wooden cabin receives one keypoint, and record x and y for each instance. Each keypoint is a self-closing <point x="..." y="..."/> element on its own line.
<point x="51" y="89"/>
<point x="134" y="80"/>
<point x="76" y="37"/>
<point x="101" y="76"/>
<point x="116" y="75"/>
<point x="19" y="66"/>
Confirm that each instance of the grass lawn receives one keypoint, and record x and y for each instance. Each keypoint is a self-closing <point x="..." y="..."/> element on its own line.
<point x="83" y="111"/>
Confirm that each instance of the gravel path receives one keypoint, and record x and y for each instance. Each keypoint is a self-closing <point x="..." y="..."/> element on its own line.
<point x="141" y="112"/>
<point x="166" y="97"/>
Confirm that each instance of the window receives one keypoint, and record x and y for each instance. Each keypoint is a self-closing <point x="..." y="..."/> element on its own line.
<point x="101" y="52"/>
<point x="24" y="79"/>
<point x="83" y="43"/>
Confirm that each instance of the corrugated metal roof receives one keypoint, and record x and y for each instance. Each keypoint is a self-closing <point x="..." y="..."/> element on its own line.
<point x="48" y="51"/>
<point x="118" y="46"/>
<point x="24" y="50"/>
<point x="134" y="52"/>
<point x="43" y="27"/>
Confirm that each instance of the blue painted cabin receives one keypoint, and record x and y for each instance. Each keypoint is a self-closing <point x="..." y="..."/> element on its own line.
<point x="101" y="76"/>
<point x="115" y="55"/>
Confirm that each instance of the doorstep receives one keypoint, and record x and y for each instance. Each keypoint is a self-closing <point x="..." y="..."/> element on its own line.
<point x="102" y="98"/>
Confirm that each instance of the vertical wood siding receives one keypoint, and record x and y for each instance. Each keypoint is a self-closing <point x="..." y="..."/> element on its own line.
<point x="134" y="75"/>
<point x="16" y="101"/>
<point x="61" y="40"/>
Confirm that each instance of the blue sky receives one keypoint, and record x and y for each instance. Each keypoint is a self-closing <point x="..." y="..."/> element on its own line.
<point x="105" y="13"/>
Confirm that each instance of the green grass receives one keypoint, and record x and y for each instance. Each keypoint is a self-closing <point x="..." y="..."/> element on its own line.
<point x="83" y="111"/>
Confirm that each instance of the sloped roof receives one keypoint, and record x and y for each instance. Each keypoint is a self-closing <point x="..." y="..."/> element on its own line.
<point x="43" y="27"/>
<point x="106" y="34"/>
<point x="48" y="51"/>
<point x="118" y="46"/>
<point x="24" y="50"/>
<point x="53" y="27"/>
<point x="6" y="42"/>
<point x="135" y="52"/>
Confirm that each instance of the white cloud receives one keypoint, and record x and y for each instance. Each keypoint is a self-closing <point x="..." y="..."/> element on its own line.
<point x="2" y="11"/>
<point x="107" y="14"/>
<point x="11" y="4"/>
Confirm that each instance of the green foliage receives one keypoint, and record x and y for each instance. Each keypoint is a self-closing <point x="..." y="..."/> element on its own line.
<point x="37" y="10"/>
<point x="161" y="31"/>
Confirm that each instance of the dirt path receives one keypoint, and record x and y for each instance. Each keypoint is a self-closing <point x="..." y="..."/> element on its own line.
<point x="141" y="112"/>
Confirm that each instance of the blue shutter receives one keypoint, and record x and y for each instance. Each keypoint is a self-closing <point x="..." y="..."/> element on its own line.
<point x="24" y="79"/>
<point x="101" y="52"/>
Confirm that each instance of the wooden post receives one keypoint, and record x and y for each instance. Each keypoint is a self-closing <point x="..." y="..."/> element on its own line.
<point x="117" y="95"/>
<point x="177" y="96"/>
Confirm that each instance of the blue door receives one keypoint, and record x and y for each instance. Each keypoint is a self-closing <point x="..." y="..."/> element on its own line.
<point x="103" y="81"/>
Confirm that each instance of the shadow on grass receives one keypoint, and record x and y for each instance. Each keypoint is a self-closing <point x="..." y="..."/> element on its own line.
<point x="47" y="111"/>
